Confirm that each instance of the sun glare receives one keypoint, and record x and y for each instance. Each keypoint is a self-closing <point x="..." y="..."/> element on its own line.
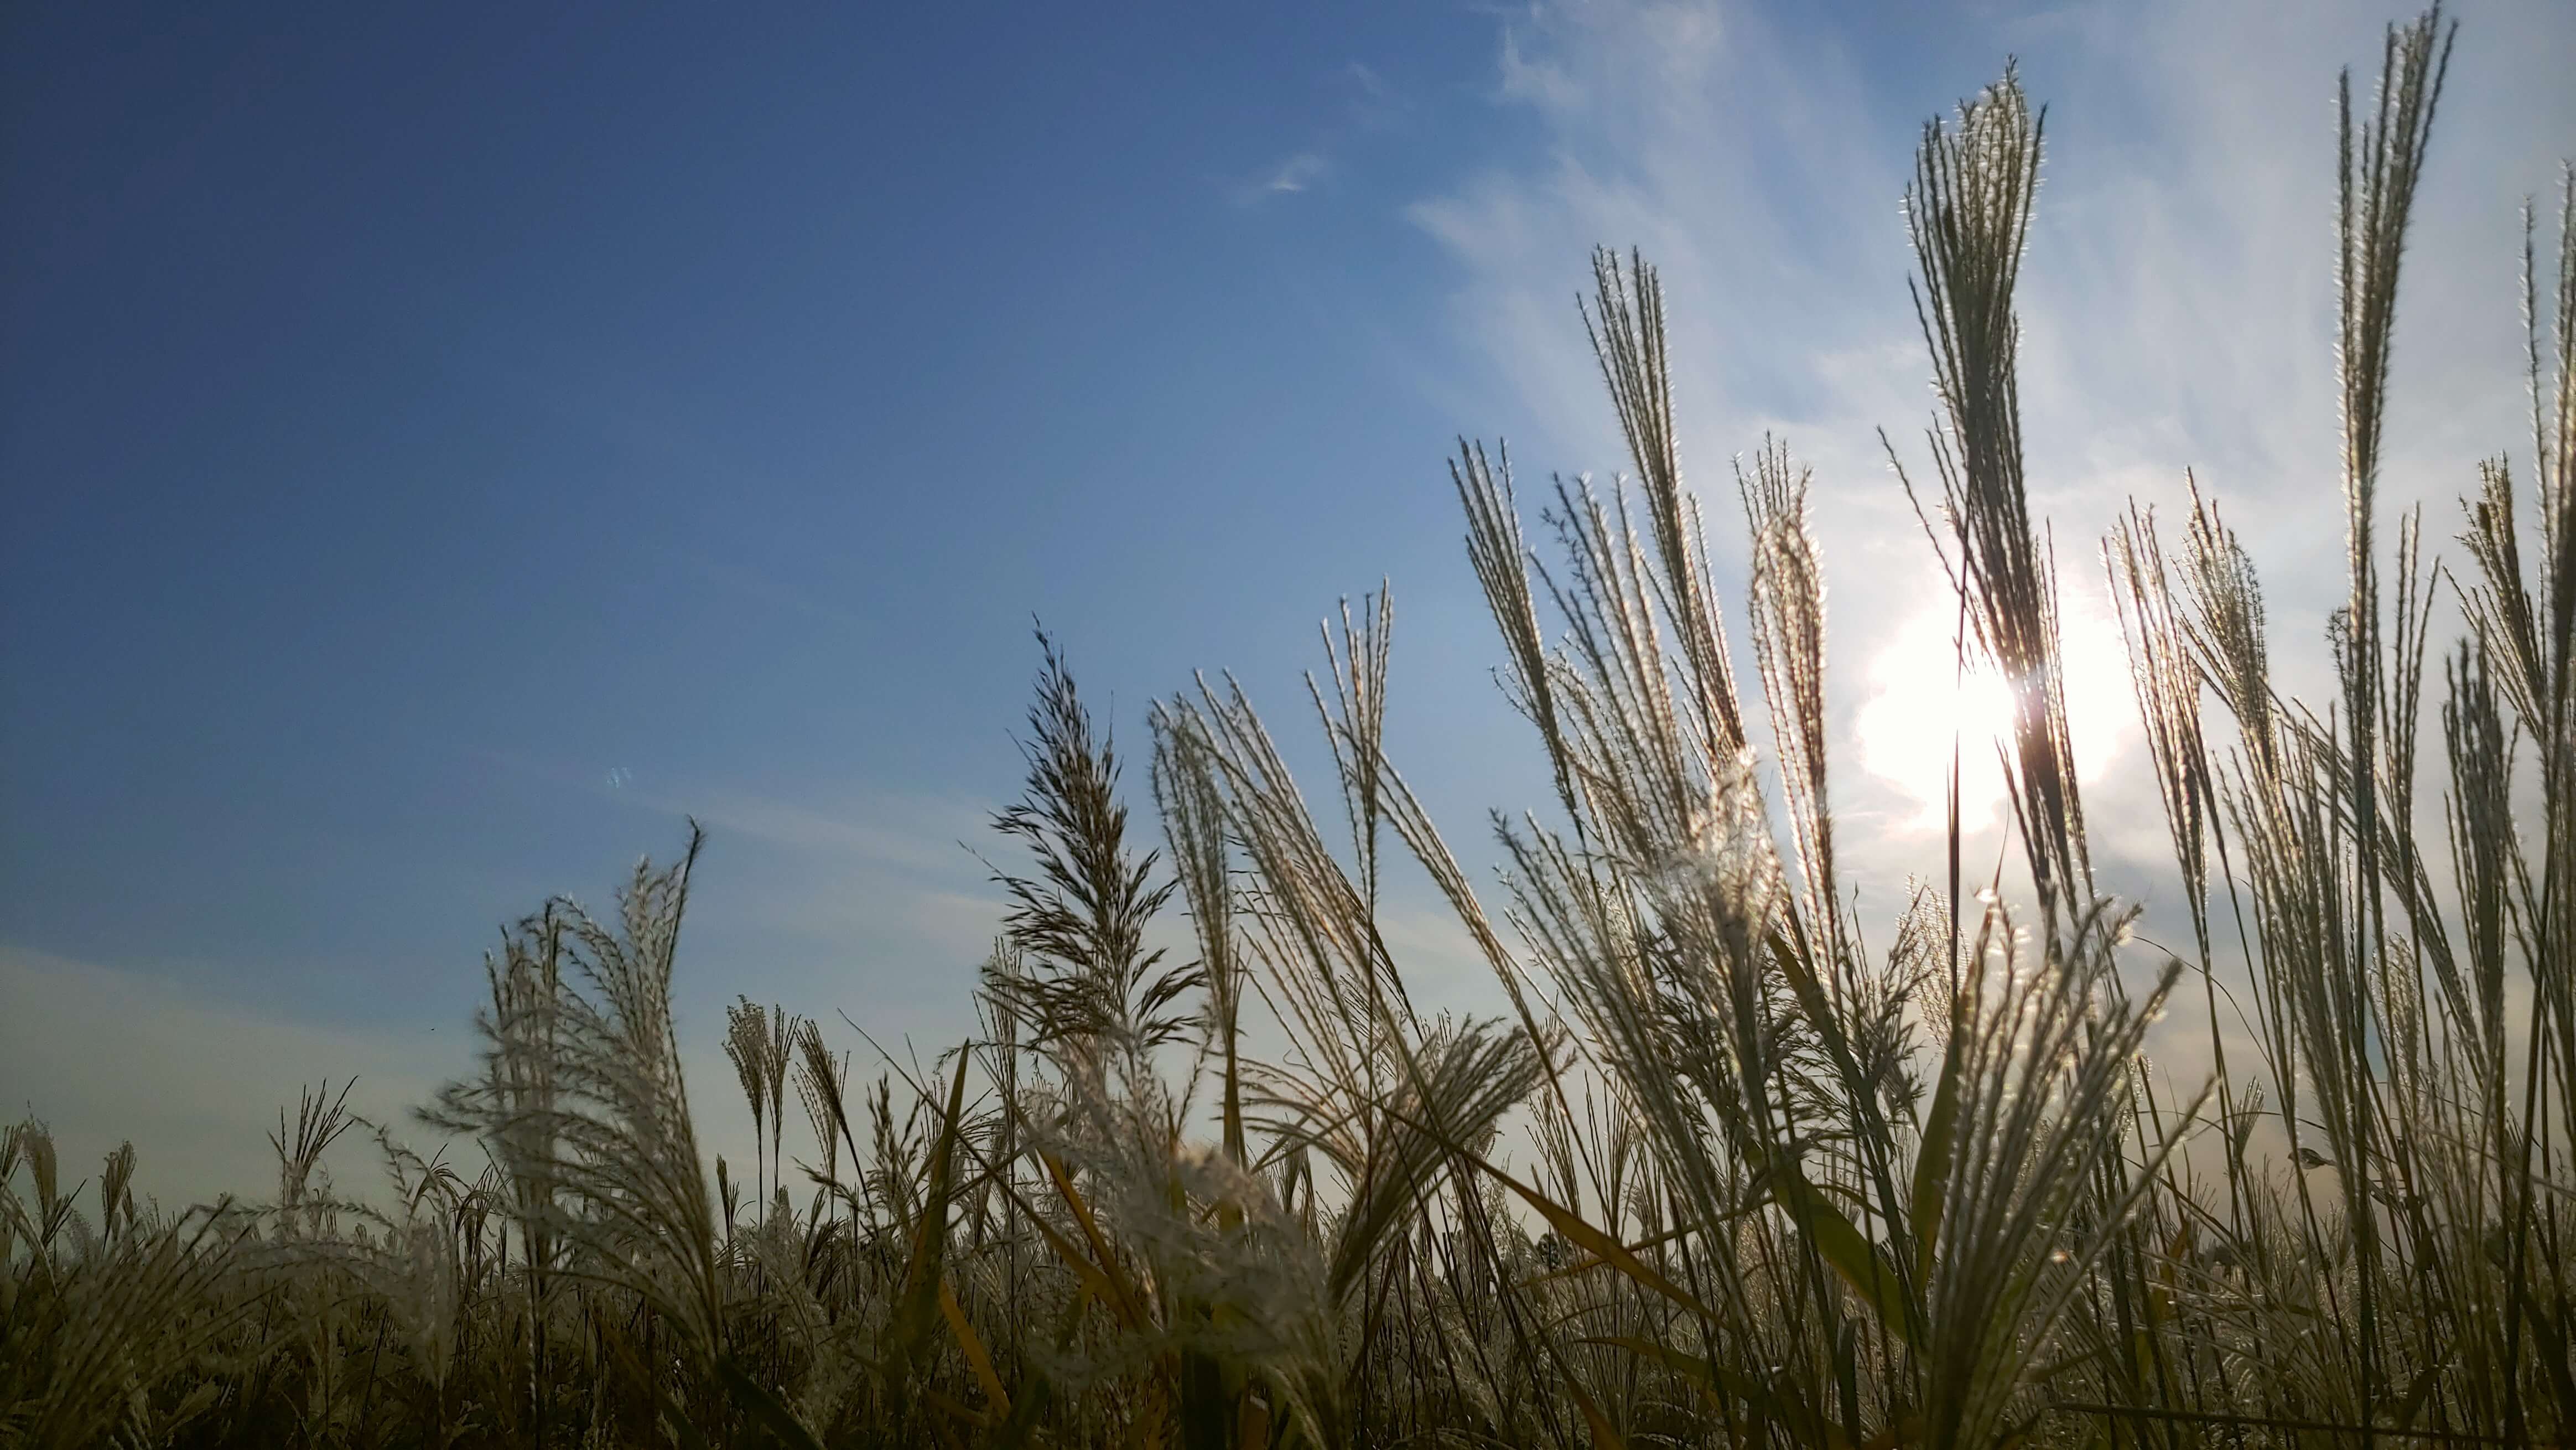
<point x="1919" y="702"/>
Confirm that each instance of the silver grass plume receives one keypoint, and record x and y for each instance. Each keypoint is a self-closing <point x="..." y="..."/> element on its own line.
<point x="760" y="1043"/>
<point x="609" y="1150"/>
<point x="1789" y="639"/>
<point x="1625" y="323"/>
<point x="2041" y="1058"/>
<point x="1094" y="988"/>
<point x="822" y="1086"/>
<point x="2380" y="166"/>
<point x="1968" y="212"/>
<point x="1194" y="827"/>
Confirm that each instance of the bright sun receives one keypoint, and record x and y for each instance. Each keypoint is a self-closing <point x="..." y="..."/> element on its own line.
<point x="1916" y="702"/>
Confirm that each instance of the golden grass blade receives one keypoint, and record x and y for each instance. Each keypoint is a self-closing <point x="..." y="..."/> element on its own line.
<point x="976" y="1359"/>
<point x="1933" y="1153"/>
<point x="1861" y="1264"/>
<point x="1605" y="1436"/>
<point x="1593" y="1241"/>
<point x="1121" y="1292"/>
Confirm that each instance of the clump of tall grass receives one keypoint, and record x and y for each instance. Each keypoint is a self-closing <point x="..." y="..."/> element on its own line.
<point x="1721" y="1174"/>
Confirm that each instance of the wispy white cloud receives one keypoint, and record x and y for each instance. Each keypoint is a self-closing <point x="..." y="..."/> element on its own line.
<point x="1367" y="85"/>
<point x="1540" y="83"/>
<point x="850" y="895"/>
<point x="847" y="823"/>
<point x="1293" y="174"/>
<point x="1362" y="102"/>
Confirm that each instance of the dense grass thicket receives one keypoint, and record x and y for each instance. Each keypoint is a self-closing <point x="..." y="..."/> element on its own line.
<point x="1731" y="1170"/>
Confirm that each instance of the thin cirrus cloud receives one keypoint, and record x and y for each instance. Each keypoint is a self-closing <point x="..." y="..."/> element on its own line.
<point x="1363" y="103"/>
<point x="1294" y="174"/>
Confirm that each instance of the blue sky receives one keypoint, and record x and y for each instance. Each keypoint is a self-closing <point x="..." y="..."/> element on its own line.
<point x="445" y="447"/>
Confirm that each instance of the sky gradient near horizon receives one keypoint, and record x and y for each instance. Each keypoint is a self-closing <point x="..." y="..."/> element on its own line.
<point x="445" y="448"/>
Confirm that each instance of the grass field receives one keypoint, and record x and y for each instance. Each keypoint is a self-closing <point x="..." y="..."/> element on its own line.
<point x="1736" y="1167"/>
